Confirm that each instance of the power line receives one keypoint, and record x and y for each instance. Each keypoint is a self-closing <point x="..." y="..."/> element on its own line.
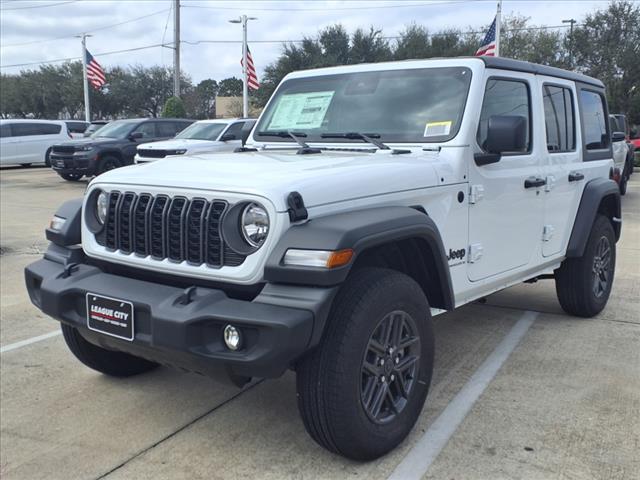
<point x="40" y="6"/>
<point x="105" y="27"/>
<point x="196" y="42"/>
<point x="373" y="7"/>
<point x="77" y="58"/>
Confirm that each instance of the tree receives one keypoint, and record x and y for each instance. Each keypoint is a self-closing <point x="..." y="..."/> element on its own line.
<point x="521" y="41"/>
<point x="369" y="47"/>
<point x="174" y="108"/>
<point x="413" y="43"/>
<point x="230" y="87"/>
<point x="200" y="101"/>
<point x="607" y="46"/>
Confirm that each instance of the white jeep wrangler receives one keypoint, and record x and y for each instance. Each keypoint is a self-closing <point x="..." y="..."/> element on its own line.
<point x="368" y="199"/>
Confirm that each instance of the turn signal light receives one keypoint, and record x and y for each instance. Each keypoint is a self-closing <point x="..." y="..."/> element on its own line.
<point x="318" y="258"/>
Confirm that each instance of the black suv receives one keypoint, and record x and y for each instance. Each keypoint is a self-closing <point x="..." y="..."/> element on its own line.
<point x="113" y="146"/>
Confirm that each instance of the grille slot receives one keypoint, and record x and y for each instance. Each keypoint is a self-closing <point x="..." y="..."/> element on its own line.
<point x="163" y="227"/>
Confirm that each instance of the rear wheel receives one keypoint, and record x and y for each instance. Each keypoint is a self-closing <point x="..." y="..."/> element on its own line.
<point x="623" y="182"/>
<point x="115" y="364"/>
<point x="47" y="158"/>
<point x="71" y="177"/>
<point x="362" y="389"/>
<point x="583" y="284"/>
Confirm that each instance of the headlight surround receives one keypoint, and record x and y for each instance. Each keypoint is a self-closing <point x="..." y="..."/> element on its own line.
<point x="254" y="224"/>
<point x="179" y="151"/>
<point x="102" y="202"/>
<point x="84" y="148"/>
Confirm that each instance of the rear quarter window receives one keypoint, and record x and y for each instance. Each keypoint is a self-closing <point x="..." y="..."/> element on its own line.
<point x="32" y="129"/>
<point x="5" y="131"/>
<point x="594" y="121"/>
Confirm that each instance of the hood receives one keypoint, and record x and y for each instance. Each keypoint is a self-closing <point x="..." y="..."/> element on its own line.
<point x="177" y="143"/>
<point x="91" y="141"/>
<point x="323" y="178"/>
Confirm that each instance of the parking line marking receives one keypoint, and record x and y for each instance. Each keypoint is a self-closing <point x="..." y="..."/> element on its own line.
<point x="29" y="341"/>
<point x="416" y="463"/>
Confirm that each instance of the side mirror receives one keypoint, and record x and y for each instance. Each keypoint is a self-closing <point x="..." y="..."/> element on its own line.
<point x="505" y="133"/>
<point x="227" y="136"/>
<point x="136" y="136"/>
<point x="245" y="132"/>
<point x="618" y="137"/>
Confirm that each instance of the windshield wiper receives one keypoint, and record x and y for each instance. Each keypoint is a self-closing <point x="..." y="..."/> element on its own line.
<point x="367" y="137"/>
<point x="304" y="148"/>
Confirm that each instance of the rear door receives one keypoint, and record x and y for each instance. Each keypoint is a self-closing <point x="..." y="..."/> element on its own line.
<point x="505" y="215"/>
<point x="563" y="162"/>
<point x="34" y="139"/>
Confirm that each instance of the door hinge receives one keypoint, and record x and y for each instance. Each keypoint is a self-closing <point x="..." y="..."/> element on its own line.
<point x="476" y="193"/>
<point x="551" y="182"/>
<point x="475" y="252"/>
<point x="547" y="232"/>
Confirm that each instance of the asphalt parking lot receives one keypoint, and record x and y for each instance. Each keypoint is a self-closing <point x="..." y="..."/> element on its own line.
<point x="520" y="389"/>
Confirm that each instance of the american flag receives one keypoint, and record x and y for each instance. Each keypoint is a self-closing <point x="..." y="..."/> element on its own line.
<point x="252" y="76"/>
<point x="95" y="73"/>
<point x="488" y="47"/>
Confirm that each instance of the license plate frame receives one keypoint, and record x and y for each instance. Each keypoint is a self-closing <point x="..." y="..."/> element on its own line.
<point x="110" y="316"/>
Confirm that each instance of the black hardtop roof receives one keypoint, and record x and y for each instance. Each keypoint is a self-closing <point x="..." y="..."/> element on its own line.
<point x="537" y="69"/>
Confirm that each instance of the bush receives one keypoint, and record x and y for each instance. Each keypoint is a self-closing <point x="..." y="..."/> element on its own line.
<point x="174" y="108"/>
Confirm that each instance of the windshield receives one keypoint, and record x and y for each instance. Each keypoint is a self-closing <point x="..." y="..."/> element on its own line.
<point x="117" y="129"/>
<point x="202" y="131"/>
<point x="414" y="105"/>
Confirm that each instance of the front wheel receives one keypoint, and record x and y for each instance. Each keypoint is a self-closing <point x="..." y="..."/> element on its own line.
<point x="107" y="163"/>
<point x="361" y="391"/>
<point x="109" y="362"/>
<point x="583" y="284"/>
<point x="47" y="158"/>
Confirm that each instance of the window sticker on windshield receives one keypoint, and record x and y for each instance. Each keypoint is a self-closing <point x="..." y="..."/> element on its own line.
<point x="300" y="110"/>
<point x="436" y="129"/>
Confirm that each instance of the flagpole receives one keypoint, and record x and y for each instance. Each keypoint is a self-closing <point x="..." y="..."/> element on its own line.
<point x="498" y="25"/>
<point x="245" y="79"/>
<point x="87" y="108"/>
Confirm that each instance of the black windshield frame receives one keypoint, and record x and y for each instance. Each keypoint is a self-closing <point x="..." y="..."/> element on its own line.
<point x="345" y="82"/>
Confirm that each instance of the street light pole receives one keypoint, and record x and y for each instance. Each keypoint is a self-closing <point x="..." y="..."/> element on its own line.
<point x="245" y="85"/>
<point x="176" y="48"/>
<point x="571" y="21"/>
<point x="87" y="108"/>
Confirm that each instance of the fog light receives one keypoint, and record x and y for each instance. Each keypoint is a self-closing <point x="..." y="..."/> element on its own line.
<point x="232" y="337"/>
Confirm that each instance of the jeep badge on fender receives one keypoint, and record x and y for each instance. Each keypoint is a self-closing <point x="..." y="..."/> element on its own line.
<point x="367" y="199"/>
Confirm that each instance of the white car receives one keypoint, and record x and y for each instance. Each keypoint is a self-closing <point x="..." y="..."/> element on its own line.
<point x="368" y="199"/>
<point x="23" y="142"/>
<point x="205" y="136"/>
<point x="620" y="149"/>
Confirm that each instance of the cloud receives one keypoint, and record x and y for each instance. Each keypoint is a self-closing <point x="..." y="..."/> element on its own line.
<point x="277" y="20"/>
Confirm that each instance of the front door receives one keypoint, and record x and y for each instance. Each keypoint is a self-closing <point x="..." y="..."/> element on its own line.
<point x="506" y="210"/>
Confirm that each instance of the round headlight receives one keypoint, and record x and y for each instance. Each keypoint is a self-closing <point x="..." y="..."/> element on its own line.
<point x="254" y="224"/>
<point x="101" y="207"/>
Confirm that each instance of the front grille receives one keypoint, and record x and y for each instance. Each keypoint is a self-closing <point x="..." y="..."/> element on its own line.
<point x="152" y="153"/>
<point x="63" y="149"/>
<point x="162" y="227"/>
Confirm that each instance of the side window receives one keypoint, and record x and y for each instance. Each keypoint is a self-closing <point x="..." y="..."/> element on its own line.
<point x="504" y="97"/>
<point x="76" y="127"/>
<point x="32" y="129"/>
<point x="235" y="129"/>
<point x="594" y="121"/>
<point x="166" y="129"/>
<point x="148" y="129"/>
<point x="5" y="131"/>
<point x="559" y="118"/>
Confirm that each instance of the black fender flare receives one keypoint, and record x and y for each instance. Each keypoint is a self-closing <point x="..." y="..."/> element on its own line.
<point x="595" y="191"/>
<point x="358" y="230"/>
<point x="70" y="233"/>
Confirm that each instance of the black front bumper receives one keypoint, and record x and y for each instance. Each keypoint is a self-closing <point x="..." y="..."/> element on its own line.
<point x="71" y="163"/>
<point x="185" y="334"/>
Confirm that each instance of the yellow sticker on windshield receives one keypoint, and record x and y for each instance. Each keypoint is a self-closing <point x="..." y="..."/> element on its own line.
<point x="437" y="129"/>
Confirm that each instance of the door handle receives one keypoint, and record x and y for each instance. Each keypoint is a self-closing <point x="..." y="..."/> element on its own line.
<point x="534" y="182"/>
<point x="576" y="176"/>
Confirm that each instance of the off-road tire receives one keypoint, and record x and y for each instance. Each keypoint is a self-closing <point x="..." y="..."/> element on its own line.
<point x="624" y="178"/>
<point x="575" y="279"/>
<point x="330" y="379"/>
<point x="108" y="162"/>
<point x="71" y="177"/>
<point x="115" y="364"/>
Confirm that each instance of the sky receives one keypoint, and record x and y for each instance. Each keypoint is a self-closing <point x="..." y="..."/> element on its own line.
<point x="41" y="30"/>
